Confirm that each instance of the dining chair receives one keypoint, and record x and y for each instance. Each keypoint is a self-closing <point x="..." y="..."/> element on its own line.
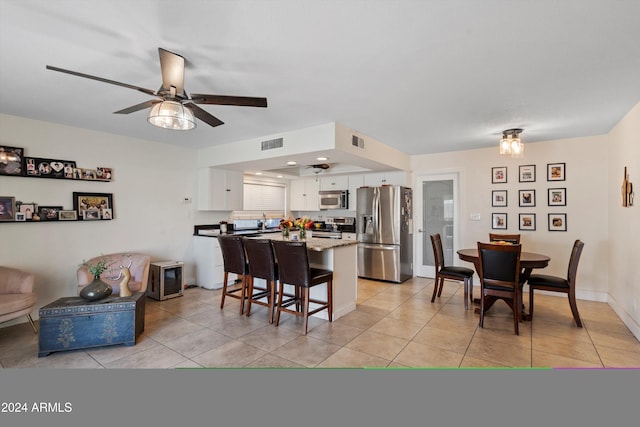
<point x="545" y="282"/>
<point x="235" y="262"/>
<point x="510" y="238"/>
<point x="500" y="277"/>
<point x="262" y="265"/>
<point x="449" y="272"/>
<point x="294" y="269"/>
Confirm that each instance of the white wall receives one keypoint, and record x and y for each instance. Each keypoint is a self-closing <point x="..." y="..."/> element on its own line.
<point x="623" y="254"/>
<point x="149" y="185"/>
<point x="587" y="192"/>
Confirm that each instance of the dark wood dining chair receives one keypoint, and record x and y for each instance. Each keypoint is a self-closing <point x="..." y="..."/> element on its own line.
<point x="500" y="278"/>
<point x="449" y="272"/>
<point x="235" y="262"/>
<point x="510" y="238"/>
<point x="294" y="269"/>
<point x="545" y="282"/>
<point x="262" y="265"/>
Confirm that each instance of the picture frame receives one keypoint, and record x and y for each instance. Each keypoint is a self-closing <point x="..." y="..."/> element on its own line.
<point x="557" y="222"/>
<point x="107" y="214"/>
<point x="104" y="174"/>
<point x="499" y="198"/>
<point x="49" y="213"/>
<point x="499" y="175"/>
<point x="20" y="217"/>
<point x="49" y="168"/>
<point x="556" y="171"/>
<point x="91" y="214"/>
<point x="77" y="173"/>
<point x="83" y="201"/>
<point x="7" y="208"/>
<point x="89" y="174"/>
<point x="557" y="197"/>
<point x="527" y="173"/>
<point x="526" y="198"/>
<point x="11" y="160"/>
<point x="28" y="209"/>
<point x="527" y="221"/>
<point x="67" y="215"/>
<point x="499" y="221"/>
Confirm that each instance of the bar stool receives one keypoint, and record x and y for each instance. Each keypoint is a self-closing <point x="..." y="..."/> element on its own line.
<point x="235" y="261"/>
<point x="262" y="265"/>
<point x="294" y="269"/>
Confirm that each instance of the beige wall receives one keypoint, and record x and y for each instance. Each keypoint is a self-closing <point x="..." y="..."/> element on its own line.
<point x="623" y="254"/>
<point x="149" y="185"/>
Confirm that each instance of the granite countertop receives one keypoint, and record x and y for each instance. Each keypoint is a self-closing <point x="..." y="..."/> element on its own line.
<point x="316" y="244"/>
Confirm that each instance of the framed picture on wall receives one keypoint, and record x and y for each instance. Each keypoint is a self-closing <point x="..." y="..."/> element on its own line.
<point x="527" y="173"/>
<point x="557" y="197"/>
<point x="11" y="160"/>
<point x="557" y="222"/>
<point x="92" y="201"/>
<point x="527" y="221"/>
<point x="499" y="221"/>
<point x="527" y="198"/>
<point x="7" y="208"/>
<point x="499" y="198"/>
<point x="49" y="213"/>
<point x="556" y="171"/>
<point x="67" y="216"/>
<point x="499" y="175"/>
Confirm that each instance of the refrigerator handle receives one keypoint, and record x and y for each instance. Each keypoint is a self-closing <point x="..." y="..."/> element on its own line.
<point x="379" y="247"/>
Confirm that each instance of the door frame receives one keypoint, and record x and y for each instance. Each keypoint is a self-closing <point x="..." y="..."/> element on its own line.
<point x="454" y="175"/>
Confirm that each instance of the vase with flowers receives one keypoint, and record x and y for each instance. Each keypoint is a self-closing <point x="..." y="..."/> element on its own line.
<point x="97" y="289"/>
<point x="303" y="224"/>
<point x="285" y="225"/>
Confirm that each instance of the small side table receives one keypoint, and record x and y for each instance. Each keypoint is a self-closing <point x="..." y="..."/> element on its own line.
<point x="72" y="323"/>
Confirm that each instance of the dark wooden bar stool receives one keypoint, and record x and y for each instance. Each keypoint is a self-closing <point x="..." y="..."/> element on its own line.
<point x="262" y="265"/>
<point x="294" y="269"/>
<point x="235" y="261"/>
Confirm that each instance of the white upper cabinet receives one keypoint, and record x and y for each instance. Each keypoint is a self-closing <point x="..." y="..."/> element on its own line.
<point x="328" y="183"/>
<point x="386" y="178"/>
<point x="219" y="190"/>
<point x="304" y="195"/>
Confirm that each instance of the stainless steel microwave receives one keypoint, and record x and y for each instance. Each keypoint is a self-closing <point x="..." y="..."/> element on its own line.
<point x="333" y="199"/>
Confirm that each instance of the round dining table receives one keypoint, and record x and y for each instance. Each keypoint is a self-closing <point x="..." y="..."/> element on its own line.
<point x="528" y="261"/>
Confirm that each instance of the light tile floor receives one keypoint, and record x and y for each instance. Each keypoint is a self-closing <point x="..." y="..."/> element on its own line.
<point x="394" y="325"/>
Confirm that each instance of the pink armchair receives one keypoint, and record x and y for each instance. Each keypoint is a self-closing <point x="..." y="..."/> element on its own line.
<point x="16" y="295"/>
<point x="138" y="265"/>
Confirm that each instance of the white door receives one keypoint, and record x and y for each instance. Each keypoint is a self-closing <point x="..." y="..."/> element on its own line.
<point x="436" y="211"/>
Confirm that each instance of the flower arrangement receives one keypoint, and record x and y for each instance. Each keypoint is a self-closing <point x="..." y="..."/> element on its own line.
<point x="285" y="224"/>
<point x="99" y="267"/>
<point x="304" y="223"/>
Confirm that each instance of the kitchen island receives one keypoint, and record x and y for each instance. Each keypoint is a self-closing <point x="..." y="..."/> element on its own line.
<point x="340" y="257"/>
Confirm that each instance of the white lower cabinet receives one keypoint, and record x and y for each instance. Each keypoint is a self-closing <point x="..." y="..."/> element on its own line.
<point x="209" y="263"/>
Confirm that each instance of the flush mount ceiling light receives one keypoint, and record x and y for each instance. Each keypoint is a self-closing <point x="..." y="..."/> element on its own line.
<point x="171" y="115"/>
<point x="511" y="144"/>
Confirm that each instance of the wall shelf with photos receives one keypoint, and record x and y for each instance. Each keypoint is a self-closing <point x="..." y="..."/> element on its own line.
<point x="86" y="207"/>
<point x="13" y="162"/>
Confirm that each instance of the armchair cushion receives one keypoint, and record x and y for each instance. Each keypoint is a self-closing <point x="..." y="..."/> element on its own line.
<point x="138" y="265"/>
<point x="16" y="293"/>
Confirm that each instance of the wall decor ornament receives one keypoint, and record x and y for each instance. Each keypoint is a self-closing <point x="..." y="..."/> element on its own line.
<point x="527" y="198"/>
<point x="557" y="197"/>
<point x="499" y="175"/>
<point x="499" y="198"/>
<point x="499" y="221"/>
<point x="556" y="171"/>
<point x="557" y="222"/>
<point x="527" y="221"/>
<point x="627" y="190"/>
<point x="527" y="173"/>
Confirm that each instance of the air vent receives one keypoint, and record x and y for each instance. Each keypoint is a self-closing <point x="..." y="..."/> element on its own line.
<point x="272" y="143"/>
<point x="356" y="141"/>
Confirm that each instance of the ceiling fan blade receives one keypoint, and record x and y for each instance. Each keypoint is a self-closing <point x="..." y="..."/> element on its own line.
<point x="204" y="115"/>
<point x="172" y="67"/>
<point x="100" y="79"/>
<point x="242" y="101"/>
<point x="137" y="107"/>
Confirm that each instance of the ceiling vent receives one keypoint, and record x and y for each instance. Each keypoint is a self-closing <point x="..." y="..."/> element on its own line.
<point x="271" y="144"/>
<point x="356" y="141"/>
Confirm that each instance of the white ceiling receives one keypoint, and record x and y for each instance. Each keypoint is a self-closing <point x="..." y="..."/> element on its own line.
<point x="420" y="76"/>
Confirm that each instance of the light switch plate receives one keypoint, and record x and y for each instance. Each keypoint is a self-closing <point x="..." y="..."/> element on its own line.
<point x="475" y="217"/>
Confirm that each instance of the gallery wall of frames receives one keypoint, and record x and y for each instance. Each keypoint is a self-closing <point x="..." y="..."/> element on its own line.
<point x="87" y="206"/>
<point x="528" y="201"/>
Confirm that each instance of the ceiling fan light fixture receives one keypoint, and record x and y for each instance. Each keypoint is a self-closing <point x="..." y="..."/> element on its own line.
<point x="171" y="115"/>
<point x="511" y="144"/>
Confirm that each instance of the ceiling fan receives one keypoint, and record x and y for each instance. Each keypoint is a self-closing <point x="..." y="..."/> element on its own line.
<point x="175" y="108"/>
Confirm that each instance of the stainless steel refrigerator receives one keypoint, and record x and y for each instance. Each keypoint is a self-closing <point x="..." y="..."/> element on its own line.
<point x="385" y="233"/>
